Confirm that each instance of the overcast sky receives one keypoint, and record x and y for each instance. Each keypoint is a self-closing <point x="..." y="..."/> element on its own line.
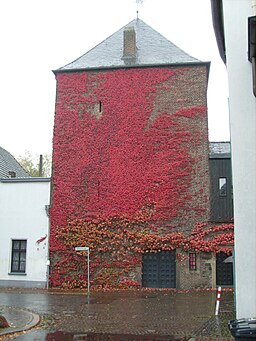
<point x="38" y="36"/>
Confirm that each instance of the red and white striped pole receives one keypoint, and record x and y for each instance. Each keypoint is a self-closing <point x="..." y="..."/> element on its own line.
<point x="218" y="301"/>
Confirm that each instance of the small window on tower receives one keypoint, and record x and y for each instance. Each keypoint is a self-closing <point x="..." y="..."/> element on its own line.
<point x="192" y="261"/>
<point x="223" y="187"/>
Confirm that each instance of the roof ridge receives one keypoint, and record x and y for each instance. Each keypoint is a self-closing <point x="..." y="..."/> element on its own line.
<point x="153" y="49"/>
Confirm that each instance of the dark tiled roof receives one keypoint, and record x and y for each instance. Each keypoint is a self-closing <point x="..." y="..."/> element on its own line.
<point x="220" y="149"/>
<point x="9" y="166"/>
<point x="152" y="49"/>
<point x="27" y="180"/>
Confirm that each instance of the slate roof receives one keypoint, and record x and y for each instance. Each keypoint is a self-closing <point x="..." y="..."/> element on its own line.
<point x="152" y="50"/>
<point x="220" y="150"/>
<point x="9" y="164"/>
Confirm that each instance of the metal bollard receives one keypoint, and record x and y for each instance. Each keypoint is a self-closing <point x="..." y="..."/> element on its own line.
<point x="218" y="302"/>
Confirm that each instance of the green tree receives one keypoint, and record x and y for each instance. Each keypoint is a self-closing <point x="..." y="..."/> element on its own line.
<point x="31" y="164"/>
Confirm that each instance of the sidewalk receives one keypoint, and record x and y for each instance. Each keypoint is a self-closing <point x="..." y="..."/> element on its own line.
<point x="18" y="319"/>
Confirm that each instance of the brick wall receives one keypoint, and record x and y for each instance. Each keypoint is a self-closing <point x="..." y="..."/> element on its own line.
<point x="126" y="141"/>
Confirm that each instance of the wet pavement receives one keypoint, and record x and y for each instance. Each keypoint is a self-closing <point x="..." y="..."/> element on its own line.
<point x="113" y="316"/>
<point x="18" y="319"/>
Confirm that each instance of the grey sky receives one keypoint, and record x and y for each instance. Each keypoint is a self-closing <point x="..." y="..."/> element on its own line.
<point x="42" y="35"/>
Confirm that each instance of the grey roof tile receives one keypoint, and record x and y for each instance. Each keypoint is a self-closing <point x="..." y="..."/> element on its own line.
<point x="220" y="149"/>
<point x="152" y="49"/>
<point x="9" y="164"/>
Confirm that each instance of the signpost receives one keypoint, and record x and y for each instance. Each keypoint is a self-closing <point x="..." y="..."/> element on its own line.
<point x="86" y="248"/>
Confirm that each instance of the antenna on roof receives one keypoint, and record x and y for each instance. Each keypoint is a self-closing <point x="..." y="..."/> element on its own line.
<point x="138" y="2"/>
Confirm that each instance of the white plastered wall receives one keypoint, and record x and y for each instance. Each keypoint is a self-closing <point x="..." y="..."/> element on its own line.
<point x="23" y="216"/>
<point x="243" y="143"/>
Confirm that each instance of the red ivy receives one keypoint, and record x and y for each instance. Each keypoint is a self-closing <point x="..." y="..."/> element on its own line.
<point x="116" y="245"/>
<point x="126" y="140"/>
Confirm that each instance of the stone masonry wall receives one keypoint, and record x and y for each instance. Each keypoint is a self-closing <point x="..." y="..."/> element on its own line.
<point x="127" y="143"/>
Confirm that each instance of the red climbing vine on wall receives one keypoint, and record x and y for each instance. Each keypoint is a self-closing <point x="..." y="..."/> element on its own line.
<point x="127" y="143"/>
<point x="116" y="245"/>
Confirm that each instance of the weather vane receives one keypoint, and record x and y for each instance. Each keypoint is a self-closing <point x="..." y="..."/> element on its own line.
<point x="138" y="2"/>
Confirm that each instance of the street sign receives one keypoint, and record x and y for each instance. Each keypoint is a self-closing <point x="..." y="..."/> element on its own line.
<point x="82" y="248"/>
<point x="86" y="248"/>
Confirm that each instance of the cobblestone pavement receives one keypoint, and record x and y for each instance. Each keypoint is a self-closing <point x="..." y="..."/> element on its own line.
<point x="212" y="339"/>
<point x="136" y="315"/>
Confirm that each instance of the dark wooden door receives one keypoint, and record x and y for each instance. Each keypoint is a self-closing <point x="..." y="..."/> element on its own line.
<point x="159" y="269"/>
<point x="224" y="271"/>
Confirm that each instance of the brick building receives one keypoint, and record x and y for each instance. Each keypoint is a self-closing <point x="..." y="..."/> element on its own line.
<point x="131" y="166"/>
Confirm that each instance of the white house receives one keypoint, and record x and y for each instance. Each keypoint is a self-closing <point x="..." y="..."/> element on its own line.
<point x="24" y="225"/>
<point x="235" y="28"/>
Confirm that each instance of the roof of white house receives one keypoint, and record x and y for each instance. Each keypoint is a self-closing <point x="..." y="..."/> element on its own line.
<point x="9" y="166"/>
<point x="134" y="45"/>
<point x="220" y="149"/>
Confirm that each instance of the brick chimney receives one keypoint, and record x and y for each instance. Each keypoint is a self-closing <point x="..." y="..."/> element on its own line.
<point x="129" y="45"/>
